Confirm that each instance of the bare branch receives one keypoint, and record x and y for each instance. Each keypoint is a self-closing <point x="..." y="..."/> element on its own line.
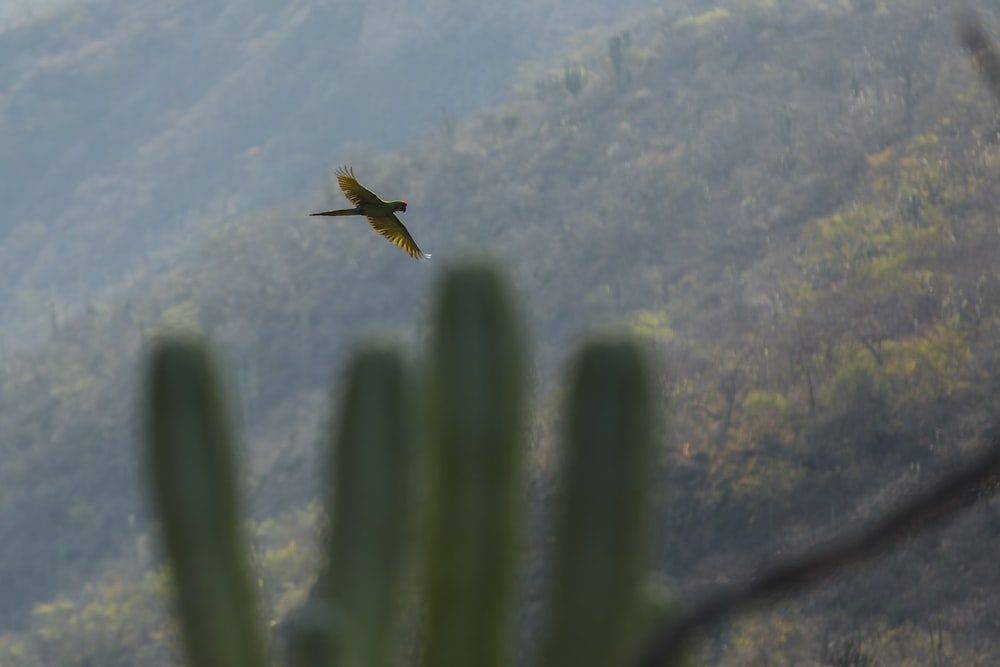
<point x="956" y="492"/>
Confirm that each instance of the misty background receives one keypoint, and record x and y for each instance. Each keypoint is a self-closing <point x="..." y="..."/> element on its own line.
<point x="128" y="130"/>
<point x="792" y="202"/>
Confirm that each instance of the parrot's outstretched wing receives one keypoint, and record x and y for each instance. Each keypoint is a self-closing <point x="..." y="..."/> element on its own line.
<point x="391" y="228"/>
<point x="357" y="193"/>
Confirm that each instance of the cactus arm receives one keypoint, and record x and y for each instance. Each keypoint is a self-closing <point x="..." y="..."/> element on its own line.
<point x="601" y="542"/>
<point x="192" y="467"/>
<point x="476" y="409"/>
<point x="371" y="501"/>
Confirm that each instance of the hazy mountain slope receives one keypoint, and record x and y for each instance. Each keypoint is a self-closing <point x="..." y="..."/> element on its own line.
<point x="125" y="126"/>
<point x="759" y="191"/>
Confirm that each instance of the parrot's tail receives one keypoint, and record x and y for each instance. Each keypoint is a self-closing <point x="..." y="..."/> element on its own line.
<point x="343" y="211"/>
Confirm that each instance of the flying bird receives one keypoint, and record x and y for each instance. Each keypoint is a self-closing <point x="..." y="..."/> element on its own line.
<point x="381" y="214"/>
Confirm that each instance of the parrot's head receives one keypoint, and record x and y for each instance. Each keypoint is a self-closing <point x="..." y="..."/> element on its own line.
<point x="401" y="206"/>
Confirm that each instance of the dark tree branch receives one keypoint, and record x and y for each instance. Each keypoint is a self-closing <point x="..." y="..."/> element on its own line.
<point x="954" y="493"/>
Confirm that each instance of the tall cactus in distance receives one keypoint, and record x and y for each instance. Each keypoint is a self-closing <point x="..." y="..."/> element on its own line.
<point x="462" y="456"/>
<point x="618" y="45"/>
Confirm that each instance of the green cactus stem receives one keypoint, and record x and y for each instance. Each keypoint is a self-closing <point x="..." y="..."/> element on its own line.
<point x="476" y="404"/>
<point x="192" y="467"/>
<point x="600" y="554"/>
<point x="373" y="469"/>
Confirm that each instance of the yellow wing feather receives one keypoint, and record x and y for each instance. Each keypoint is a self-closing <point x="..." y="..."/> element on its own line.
<point x="357" y="193"/>
<point x="391" y="228"/>
<point x="389" y="225"/>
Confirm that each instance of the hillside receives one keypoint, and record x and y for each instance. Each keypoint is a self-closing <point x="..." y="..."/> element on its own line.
<point x="795" y="203"/>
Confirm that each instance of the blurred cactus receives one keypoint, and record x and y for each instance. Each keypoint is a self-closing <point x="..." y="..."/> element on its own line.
<point x="600" y="551"/>
<point x="370" y="506"/>
<point x="192" y="471"/>
<point x="440" y="486"/>
<point x="476" y="405"/>
<point x="574" y="77"/>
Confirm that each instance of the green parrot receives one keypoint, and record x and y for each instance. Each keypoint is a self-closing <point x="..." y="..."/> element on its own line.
<point x="381" y="214"/>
